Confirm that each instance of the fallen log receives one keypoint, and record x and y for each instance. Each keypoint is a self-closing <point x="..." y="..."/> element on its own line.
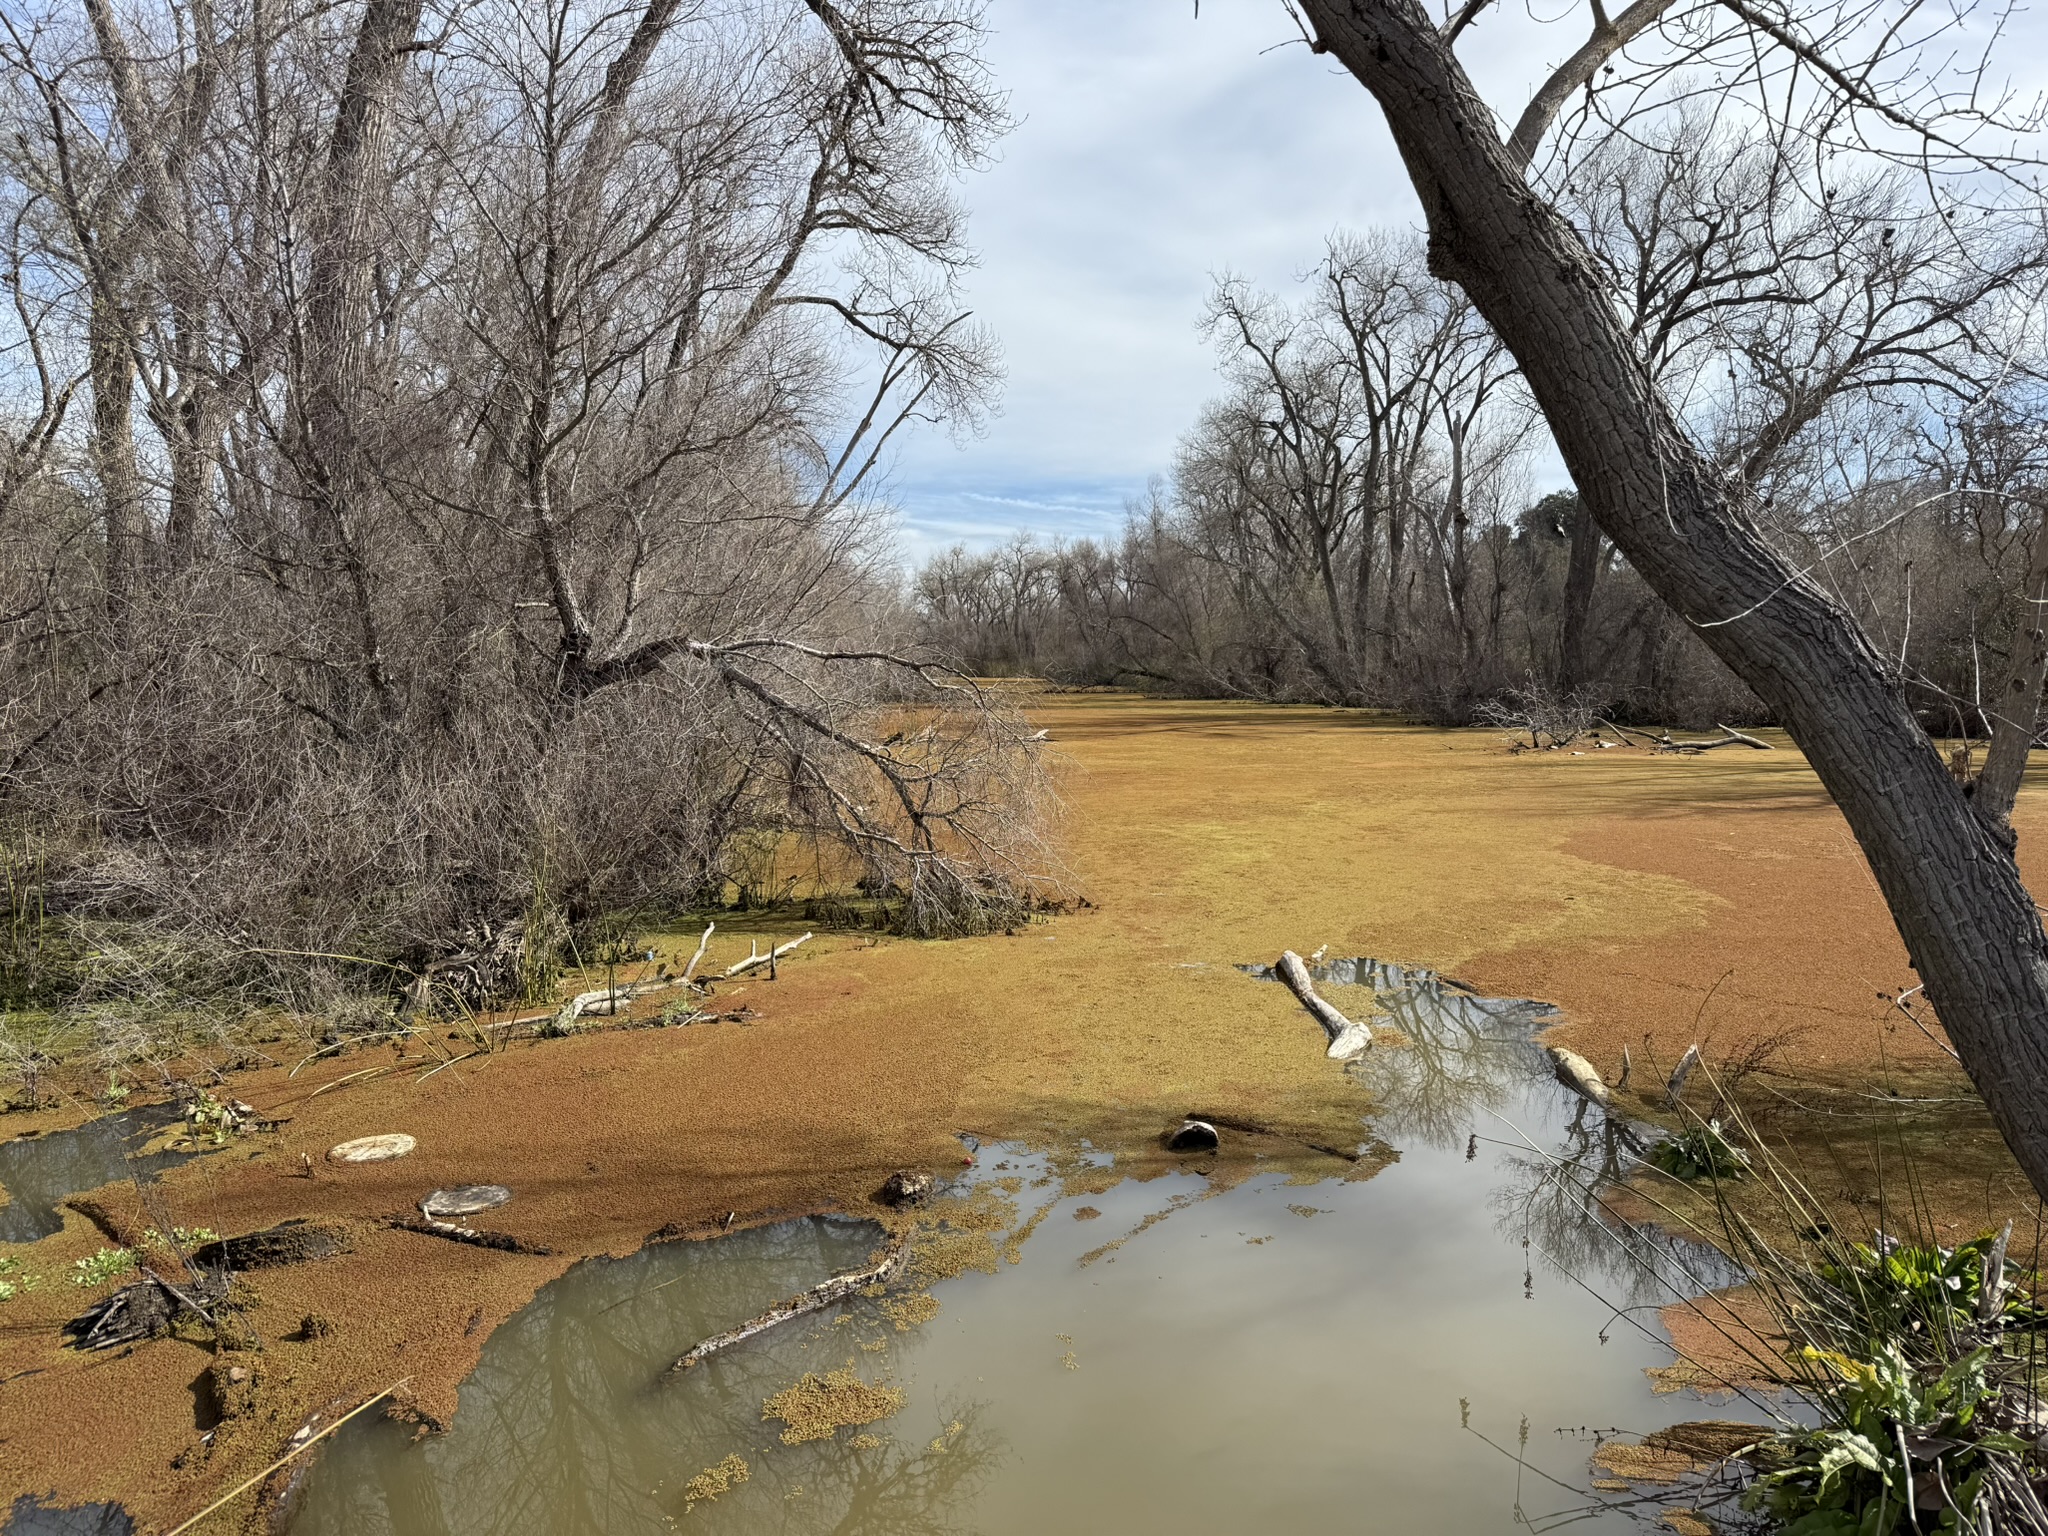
<point x="769" y="958"/>
<point x="1626" y="733"/>
<point x="1347" y="1037"/>
<point x="1729" y="737"/>
<point x="824" y="1294"/>
<point x="606" y="1001"/>
<point x="476" y="1237"/>
<point x="1579" y="1075"/>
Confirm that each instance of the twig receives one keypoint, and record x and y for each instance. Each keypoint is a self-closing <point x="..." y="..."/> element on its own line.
<point x="299" y="1450"/>
<point x="774" y="954"/>
<point x="824" y="1294"/>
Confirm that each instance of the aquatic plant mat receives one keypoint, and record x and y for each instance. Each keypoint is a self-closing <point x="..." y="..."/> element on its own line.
<point x="1435" y="1325"/>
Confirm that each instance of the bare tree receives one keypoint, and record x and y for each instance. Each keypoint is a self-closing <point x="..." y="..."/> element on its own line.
<point x="1683" y="521"/>
<point x="487" y="411"/>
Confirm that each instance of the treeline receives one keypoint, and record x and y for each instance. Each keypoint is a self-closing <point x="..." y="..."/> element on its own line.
<point x="1351" y="521"/>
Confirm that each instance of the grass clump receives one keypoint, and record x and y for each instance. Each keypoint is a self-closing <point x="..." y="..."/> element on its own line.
<point x="817" y="1407"/>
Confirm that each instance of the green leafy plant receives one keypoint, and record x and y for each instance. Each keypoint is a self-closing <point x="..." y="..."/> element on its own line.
<point x="211" y="1120"/>
<point x="1906" y="1289"/>
<point x="107" y="1264"/>
<point x="1700" y="1152"/>
<point x="14" y="1280"/>
<point x="1902" y="1449"/>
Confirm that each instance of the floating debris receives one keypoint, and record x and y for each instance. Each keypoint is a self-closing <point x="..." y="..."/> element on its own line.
<point x="713" y="1481"/>
<point x="372" y="1149"/>
<point x="466" y="1200"/>
<point x="817" y="1407"/>
<point x="903" y="1188"/>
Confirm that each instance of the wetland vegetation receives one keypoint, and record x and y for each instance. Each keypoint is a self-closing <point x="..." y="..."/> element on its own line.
<point x="448" y="608"/>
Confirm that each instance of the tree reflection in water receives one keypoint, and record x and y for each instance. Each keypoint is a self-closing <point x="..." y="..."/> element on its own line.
<point x="568" y="1425"/>
<point x="1470" y="1065"/>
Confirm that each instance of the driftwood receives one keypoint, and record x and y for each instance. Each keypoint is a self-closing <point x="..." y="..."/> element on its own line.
<point x="824" y="1294"/>
<point x="1675" y="1089"/>
<point x="1729" y="737"/>
<point x="1347" y="1038"/>
<point x="767" y="959"/>
<point x="144" y="1310"/>
<point x="697" y="959"/>
<point x="1579" y="1075"/>
<point x="1627" y="734"/>
<point x="476" y="1237"/>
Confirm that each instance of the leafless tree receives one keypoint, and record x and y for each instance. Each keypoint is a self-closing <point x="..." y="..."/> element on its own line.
<point x="1864" y="84"/>
<point x="475" y="519"/>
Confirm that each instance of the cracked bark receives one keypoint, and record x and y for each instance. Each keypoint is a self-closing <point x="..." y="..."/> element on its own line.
<point x="1948" y="874"/>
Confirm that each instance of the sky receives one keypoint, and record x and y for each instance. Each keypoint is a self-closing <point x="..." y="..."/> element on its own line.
<point x="1154" y="152"/>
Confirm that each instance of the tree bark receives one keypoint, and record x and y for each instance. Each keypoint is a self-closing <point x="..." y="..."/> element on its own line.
<point x="1582" y="572"/>
<point x="111" y="365"/>
<point x="1948" y="875"/>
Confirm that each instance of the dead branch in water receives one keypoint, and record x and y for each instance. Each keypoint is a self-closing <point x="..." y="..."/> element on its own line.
<point x="771" y="956"/>
<point x="824" y="1294"/>
<point x="697" y="959"/>
<point x="1347" y="1038"/>
<point x="476" y="1237"/>
<point x="1729" y="737"/>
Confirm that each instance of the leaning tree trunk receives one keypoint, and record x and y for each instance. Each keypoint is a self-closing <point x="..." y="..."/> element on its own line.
<point x="1948" y="875"/>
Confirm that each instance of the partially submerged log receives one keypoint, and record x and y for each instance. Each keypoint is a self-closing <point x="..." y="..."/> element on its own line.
<point x="476" y="1237"/>
<point x="1579" y="1075"/>
<point x="289" y="1242"/>
<point x="1675" y="1089"/>
<point x="824" y="1294"/>
<point x="1347" y="1037"/>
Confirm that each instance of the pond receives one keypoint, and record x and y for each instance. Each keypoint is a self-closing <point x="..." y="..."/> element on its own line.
<point x="1424" y="1342"/>
<point x="40" y="1172"/>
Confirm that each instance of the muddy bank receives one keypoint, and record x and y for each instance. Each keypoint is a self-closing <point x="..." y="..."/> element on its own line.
<point x="1619" y="886"/>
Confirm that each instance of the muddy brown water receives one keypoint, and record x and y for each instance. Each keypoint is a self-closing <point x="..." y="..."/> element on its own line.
<point x="1434" y="1348"/>
<point x="40" y="1172"/>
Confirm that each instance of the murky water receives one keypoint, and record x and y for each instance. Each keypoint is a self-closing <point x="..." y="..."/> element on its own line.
<point x="1428" y="1349"/>
<point x="39" y="1172"/>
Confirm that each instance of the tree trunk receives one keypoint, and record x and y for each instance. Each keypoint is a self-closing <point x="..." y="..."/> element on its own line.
<point x="2016" y="710"/>
<point x="339" y="286"/>
<point x="1582" y="571"/>
<point x="112" y="367"/>
<point x="1948" y="875"/>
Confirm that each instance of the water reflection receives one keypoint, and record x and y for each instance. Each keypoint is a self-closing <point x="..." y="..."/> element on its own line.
<point x="568" y="1425"/>
<point x="1278" y="1355"/>
<point x="40" y="1172"/>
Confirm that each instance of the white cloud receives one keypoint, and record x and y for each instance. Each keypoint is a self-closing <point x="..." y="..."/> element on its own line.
<point x="1155" y="151"/>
